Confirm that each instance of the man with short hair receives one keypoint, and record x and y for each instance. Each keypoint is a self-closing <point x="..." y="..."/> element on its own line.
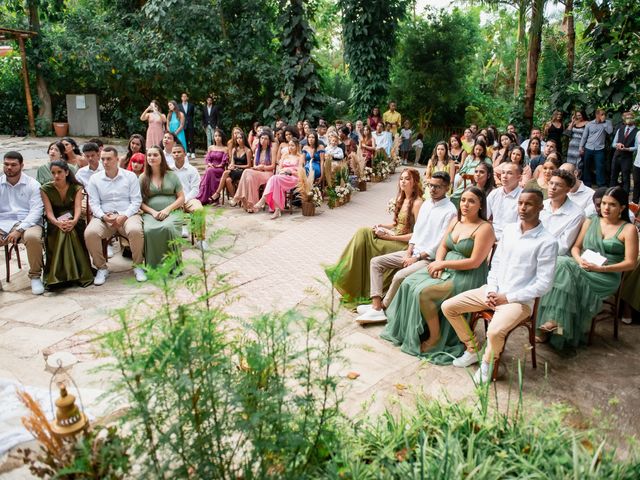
<point x="502" y="203"/>
<point x="21" y="215"/>
<point x="188" y="109"/>
<point x="381" y="139"/>
<point x="322" y="133"/>
<point x="624" y="143"/>
<point x="115" y="198"/>
<point x="91" y="153"/>
<point x="522" y="270"/>
<point x="549" y="148"/>
<point x="98" y="142"/>
<point x="432" y="222"/>
<point x="535" y="132"/>
<point x="560" y="216"/>
<point x="392" y="117"/>
<point x="210" y="119"/>
<point x="190" y="180"/>
<point x="511" y="128"/>
<point x="592" y="147"/>
<point x="579" y="194"/>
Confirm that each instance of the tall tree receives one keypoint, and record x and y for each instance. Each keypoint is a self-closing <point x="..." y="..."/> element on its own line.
<point x="535" y="42"/>
<point x="568" y="23"/>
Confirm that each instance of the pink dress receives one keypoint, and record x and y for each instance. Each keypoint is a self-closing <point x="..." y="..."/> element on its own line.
<point x="216" y="161"/>
<point x="251" y="181"/>
<point x="155" y="131"/>
<point x="278" y="185"/>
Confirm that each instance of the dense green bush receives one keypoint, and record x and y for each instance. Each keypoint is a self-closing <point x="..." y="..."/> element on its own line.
<point x="13" y="120"/>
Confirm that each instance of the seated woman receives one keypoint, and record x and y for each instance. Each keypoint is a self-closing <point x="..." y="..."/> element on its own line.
<point x="477" y="156"/>
<point x="67" y="256"/>
<point x="353" y="281"/>
<point x="501" y="155"/>
<point x="579" y="287"/>
<point x="284" y="180"/>
<point x="534" y="151"/>
<point x="241" y="159"/>
<point x="333" y="156"/>
<point x="456" y="152"/>
<point x="368" y="145"/>
<point x="253" y="178"/>
<point x="460" y="265"/>
<point x="135" y="145"/>
<point x="136" y="163"/>
<point x="541" y="181"/>
<point x="440" y="161"/>
<point x="313" y="153"/>
<point x="216" y="160"/>
<point x="72" y="152"/>
<point x="162" y="200"/>
<point x="56" y="152"/>
<point x="484" y="178"/>
<point x="517" y="156"/>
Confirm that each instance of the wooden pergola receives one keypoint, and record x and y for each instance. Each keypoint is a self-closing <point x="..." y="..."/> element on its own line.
<point x="20" y="36"/>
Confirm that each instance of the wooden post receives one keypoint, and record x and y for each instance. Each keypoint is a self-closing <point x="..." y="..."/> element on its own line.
<point x="27" y="89"/>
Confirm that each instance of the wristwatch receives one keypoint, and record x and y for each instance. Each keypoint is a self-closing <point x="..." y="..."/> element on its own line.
<point x="21" y="230"/>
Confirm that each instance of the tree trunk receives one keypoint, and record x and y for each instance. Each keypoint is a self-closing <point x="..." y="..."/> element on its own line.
<point x="522" y="19"/>
<point x="568" y="20"/>
<point x="535" y="42"/>
<point x="45" y="110"/>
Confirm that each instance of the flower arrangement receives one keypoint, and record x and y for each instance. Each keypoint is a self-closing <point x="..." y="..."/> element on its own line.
<point x="343" y="191"/>
<point x="395" y="148"/>
<point x="381" y="166"/>
<point x="317" y="196"/>
<point x="305" y="184"/>
<point x="359" y="164"/>
<point x="391" y="206"/>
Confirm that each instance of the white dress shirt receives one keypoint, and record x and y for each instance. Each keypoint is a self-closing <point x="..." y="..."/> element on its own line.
<point x="85" y="173"/>
<point x="120" y="194"/>
<point x="190" y="180"/>
<point x="171" y="163"/>
<point x="503" y="207"/>
<point x="583" y="197"/>
<point x="382" y="141"/>
<point x="433" y="220"/>
<point x="524" y="264"/>
<point x="20" y="203"/>
<point x="564" y="224"/>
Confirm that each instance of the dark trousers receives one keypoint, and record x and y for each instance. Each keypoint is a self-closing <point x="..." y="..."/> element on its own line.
<point x="636" y="184"/>
<point x="593" y="158"/>
<point x="189" y="134"/>
<point x="621" y="164"/>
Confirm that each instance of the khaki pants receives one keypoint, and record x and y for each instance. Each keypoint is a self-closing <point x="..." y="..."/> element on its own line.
<point x="391" y="261"/>
<point x="32" y="239"/>
<point x="190" y="207"/>
<point x="97" y="231"/>
<point x="505" y="319"/>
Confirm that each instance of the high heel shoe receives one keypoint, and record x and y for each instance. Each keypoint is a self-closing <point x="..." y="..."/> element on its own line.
<point x="276" y="214"/>
<point x="233" y="202"/>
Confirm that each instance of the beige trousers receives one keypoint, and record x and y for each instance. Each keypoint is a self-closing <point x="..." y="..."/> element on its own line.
<point x="391" y="261"/>
<point x="32" y="239"/>
<point x="190" y="207"/>
<point x="505" y="319"/>
<point x="97" y="231"/>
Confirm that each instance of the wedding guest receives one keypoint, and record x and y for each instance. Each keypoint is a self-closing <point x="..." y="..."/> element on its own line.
<point x="574" y="131"/>
<point x="162" y="201"/>
<point x="314" y="156"/>
<point x="518" y="157"/>
<point x="592" y="147"/>
<point x="579" y="285"/>
<point x="478" y="155"/>
<point x="190" y="181"/>
<point x="417" y="146"/>
<point x="56" y="152"/>
<point x="433" y="218"/>
<point x="253" y="178"/>
<point x="322" y="133"/>
<point x="381" y="139"/>
<point x="67" y="256"/>
<point x="168" y="141"/>
<point x="72" y="153"/>
<point x="534" y="152"/>
<point x="358" y="131"/>
<point x="560" y="216"/>
<point x="136" y="145"/>
<point x="484" y="178"/>
<point x="579" y="194"/>
<point x="535" y="133"/>
<point x="405" y="146"/>
<point x="550" y="148"/>
<point x="392" y="117"/>
<point x="440" y="161"/>
<point x="353" y="268"/>
<point x="367" y="144"/>
<point x="216" y="161"/>
<point x="114" y="197"/>
<point x="541" y="182"/>
<point x="468" y="141"/>
<point x="374" y="119"/>
<point x="554" y="128"/>
<point x="511" y="128"/>
<point x="241" y="159"/>
<point x="624" y="143"/>
<point x="21" y="215"/>
<point x="91" y="153"/>
<point x="509" y="292"/>
<point x="175" y="123"/>
<point x="156" y="119"/>
<point x="210" y="119"/>
<point x="460" y="264"/>
<point x="137" y="163"/>
<point x="501" y="154"/>
<point x="284" y="180"/>
<point x="253" y="134"/>
<point x="456" y="152"/>
<point x="188" y="110"/>
<point x="502" y="203"/>
<point x="98" y="142"/>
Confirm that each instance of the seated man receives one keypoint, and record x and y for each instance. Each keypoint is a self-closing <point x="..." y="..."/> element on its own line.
<point x="579" y="194"/>
<point x="114" y="198"/>
<point x="21" y="215"/>
<point x="190" y="180"/>
<point x="522" y="270"/>
<point x="383" y="139"/>
<point x="433" y="220"/>
<point x="560" y="216"/>
<point x="91" y="153"/>
<point x="502" y="203"/>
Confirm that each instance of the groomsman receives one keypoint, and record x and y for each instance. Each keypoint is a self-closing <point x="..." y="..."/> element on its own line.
<point x="210" y="119"/>
<point x="188" y="109"/>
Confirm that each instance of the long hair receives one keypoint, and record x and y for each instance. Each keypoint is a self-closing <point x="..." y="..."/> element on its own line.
<point x="74" y="144"/>
<point x="482" y="213"/>
<point x="175" y="110"/>
<point x="71" y="178"/>
<point x="622" y="197"/>
<point x="231" y="143"/>
<point x="491" y="181"/>
<point x="415" y="194"/>
<point x="60" y="146"/>
<point x="522" y="153"/>
<point x="258" y="159"/>
<point x="539" y="146"/>
<point x="222" y="137"/>
<point x="482" y="144"/>
<point x="141" y="139"/>
<point x="434" y="155"/>
<point x="145" y="177"/>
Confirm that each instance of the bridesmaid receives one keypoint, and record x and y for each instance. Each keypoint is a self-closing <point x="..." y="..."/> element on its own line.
<point x="162" y="200"/>
<point x="579" y="287"/>
<point x="253" y="178"/>
<point x="216" y="160"/>
<point x="175" y="122"/>
<point x="353" y="281"/>
<point x="156" y="119"/>
<point x="67" y="256"/>
<point x="287" y="178"/>
<point x="460" y="265"/>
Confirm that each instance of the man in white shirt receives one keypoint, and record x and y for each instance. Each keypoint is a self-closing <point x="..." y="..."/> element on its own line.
<point x="91" y="153"/>
<point x="535" y="132"/>
<point x="560" y="216"/>
<point x="115" y="198"/>
<point x="382" y="139"/>
<point x="21" y="215"/>
<point x="502" y="203"/>
<point x="579" y="194"/>
<point x="190" y="180"/>
<point x="433" y="219"/>
<point x="522" y="270"/>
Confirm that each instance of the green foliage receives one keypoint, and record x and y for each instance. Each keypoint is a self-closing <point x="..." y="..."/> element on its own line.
<point x="14" y="111"/>
<point x="369" y="29"/>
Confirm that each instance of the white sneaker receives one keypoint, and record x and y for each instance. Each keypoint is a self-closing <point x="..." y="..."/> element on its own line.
<point x="140" y="275"/>
<point x="202" y="245"/>
<point x="627" y="320"/>
<point x="185" y="232"/>
<point x="372" y="316"/>
<point x="362" y="309"/>
<point x="483" y="375"/>
<point x="467" y="359"/>
<point x="37" y="287"/>
<point x="101" y="276"/>
<point x="109" y="251"/>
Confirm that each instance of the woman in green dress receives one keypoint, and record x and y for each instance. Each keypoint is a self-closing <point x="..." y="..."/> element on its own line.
<point x="67" y="257"/>
<point x="543" y="174"/>
<point x="478" y="156"/>
<point x="351" y="273"/>
<point x="162" y="200"/>
<point x="416" y="322"/>
<point x="56" y="152"/>
<point x="579" y="287"/>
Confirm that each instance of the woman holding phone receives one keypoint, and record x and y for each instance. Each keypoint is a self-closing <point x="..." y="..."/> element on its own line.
<point x="156" y="119"/>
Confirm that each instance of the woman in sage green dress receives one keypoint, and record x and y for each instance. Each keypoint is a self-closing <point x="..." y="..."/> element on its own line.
<point x="162" y="199"/>
<point x="67" y="257"/>
<point x="579" y="287"/>
<point x="353" y="276"/>
<point x="478" y="155"/>
<point x="460" y="265"/>
<point x="56" y="152"/>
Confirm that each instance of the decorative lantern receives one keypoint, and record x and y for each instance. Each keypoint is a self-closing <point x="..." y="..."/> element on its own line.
<point x="69" y="419"/>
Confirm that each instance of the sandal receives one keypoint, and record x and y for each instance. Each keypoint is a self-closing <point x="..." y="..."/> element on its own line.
<point x="215" y="197"/>
<point x="548" y="327"/>
<point x="543" y="337"/>
<point x="428" y="344"/>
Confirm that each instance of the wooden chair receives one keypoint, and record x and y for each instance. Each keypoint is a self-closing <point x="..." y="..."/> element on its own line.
<point x="467" y="177"/>
<point x="529" y="323"/>
<point x="8" y="249"/>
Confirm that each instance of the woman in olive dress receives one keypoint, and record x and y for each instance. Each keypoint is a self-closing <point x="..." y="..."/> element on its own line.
<point x="415" y="321"/>
<point x="162" y="199"/>
<point x="67" y="256"/>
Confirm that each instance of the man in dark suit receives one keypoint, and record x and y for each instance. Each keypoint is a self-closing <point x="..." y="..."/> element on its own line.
<point x="210" y="118"/>
<point x="188" y="109"/>
<point x="624" y="142"/>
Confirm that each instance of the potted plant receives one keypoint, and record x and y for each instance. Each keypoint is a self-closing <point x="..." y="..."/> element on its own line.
<point x="61" y="127"/>
<point x="311" y="195"/>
